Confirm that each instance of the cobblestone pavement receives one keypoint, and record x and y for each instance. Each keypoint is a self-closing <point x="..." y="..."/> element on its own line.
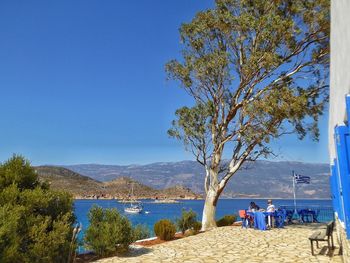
<point x="234" y="244"/>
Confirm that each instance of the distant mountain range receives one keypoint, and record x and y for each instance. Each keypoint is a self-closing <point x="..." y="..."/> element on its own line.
<point x="260" y="179"/>
<point x="80" y="186"/>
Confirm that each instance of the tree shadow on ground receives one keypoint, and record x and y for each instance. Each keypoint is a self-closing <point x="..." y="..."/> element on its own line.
<point x="312" y="226"/>
<point x="136" y="251"/>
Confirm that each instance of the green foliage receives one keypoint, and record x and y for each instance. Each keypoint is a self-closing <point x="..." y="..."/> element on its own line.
<point x="197" y="226"/>
<point x="246" y="56"/>
<point x="18" y="171"/>
<point x="226" y="220"/>
<point x="194" y="123"/>
<point x="108" y="232"/>
<point x="242" y="63"/>
<point x="141" y="232"/>
<point x="186" y="221"/>
<point x="190" y="232"/>
<point x="165" y="229"/>
<point x="35" y="222"/>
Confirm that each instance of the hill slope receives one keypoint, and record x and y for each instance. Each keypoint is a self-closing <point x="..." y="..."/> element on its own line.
<point x="64" y="179"/>
<point x="85" y="187"/>
<point x="121" y="188"/>
<point x="258" y="179"/>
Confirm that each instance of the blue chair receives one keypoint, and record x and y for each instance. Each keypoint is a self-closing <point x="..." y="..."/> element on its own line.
<point x="280" y="217"/>
<point x="307" y="215"/>
<point x="302" y="214"/>
<point x="289" y="215"/>
<point x="315" y="216"/>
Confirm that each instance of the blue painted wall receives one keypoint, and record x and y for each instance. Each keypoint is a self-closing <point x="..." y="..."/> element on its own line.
<point x="340" y="172"/>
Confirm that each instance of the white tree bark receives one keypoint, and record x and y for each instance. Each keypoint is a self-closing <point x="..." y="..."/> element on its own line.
<point x="209" y="210"/>
<point x="215" y="189"/>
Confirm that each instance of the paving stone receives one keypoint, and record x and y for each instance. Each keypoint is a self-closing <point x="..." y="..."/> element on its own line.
<point x="234" y="244"/>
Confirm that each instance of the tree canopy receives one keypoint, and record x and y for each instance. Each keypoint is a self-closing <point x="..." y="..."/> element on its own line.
<point x="35" y="222"/>
<point x="256" y="70"/>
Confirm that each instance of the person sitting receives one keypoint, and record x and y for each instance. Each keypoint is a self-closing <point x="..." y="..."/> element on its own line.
<point x="253" y="207"/>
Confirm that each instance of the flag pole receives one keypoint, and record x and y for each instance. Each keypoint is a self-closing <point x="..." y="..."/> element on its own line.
<point x="295" y="201"/>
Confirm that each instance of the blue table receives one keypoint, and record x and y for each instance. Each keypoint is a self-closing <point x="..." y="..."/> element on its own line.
<point x="260" y="219"/>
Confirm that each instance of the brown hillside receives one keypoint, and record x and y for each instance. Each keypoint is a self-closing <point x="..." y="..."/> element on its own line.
<point x="84" y="187"/>
<point x="65" y="179"/>
<point x="178" y="191"/>
<point x="121" y="188"/>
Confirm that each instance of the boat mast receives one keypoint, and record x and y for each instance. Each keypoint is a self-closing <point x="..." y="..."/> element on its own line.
<point x="132" y="189"/>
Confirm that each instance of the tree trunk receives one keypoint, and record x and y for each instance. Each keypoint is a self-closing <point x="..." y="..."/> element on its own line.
<point x="209" y="210"/>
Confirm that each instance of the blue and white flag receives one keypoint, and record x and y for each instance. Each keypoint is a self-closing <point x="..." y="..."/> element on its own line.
<point x="301" y="179"/>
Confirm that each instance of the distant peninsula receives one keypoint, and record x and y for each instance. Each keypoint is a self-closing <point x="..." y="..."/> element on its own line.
<point x="84" y="187"/>
<point x="259" y="179"/>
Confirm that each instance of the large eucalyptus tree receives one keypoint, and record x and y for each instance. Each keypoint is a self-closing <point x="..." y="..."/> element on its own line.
<point x="256" y="69"/>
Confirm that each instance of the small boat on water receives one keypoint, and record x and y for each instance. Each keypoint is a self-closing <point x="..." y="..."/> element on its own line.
<point x="135" y="206"/>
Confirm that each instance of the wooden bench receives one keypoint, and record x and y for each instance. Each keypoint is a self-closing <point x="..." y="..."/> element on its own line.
<point x="323" y="235"/>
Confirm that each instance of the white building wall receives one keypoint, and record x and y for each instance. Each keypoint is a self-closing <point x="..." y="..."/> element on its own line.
<point x="340" y="66"/>
<point x="339" y="87"/>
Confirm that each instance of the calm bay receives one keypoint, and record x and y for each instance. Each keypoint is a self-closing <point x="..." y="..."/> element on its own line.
<point x="153" y="212"/>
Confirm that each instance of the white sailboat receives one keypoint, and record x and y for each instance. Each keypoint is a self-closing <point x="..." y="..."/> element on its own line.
<point x="135" y="207"/>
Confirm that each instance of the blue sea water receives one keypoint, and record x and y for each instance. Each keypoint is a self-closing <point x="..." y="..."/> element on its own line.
<point x="172" y="211"/>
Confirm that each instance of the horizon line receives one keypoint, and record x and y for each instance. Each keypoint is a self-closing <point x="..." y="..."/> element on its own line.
<point x="165" y="162"/>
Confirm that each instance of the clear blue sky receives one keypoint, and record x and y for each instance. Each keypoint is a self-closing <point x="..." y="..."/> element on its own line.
<point x="84" y="82"/>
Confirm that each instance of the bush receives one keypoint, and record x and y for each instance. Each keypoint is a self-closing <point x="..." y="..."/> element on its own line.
<point x="141" y="232"/>
<point x="226" y="220"/>
<point x="164" y="229"/>
<point x="35" y="222"/>
<point x="108" y="232"/>
<point x="186" y="221"/>
<point x="190" y="232"/>
<point x="197" y="226"/>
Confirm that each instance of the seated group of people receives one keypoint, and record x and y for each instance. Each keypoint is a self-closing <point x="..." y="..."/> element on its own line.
<point x="254" y="207"/>
<point x="270" y="208"/>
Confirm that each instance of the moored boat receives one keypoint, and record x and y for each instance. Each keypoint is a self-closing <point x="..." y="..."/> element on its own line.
<point x="135" y="206"/>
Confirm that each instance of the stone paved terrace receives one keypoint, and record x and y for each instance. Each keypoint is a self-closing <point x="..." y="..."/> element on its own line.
<point x="234" y="244"/>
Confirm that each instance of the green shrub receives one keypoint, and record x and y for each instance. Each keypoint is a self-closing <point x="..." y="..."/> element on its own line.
<point x="197" y="226"/>
<point x="186" y="221"/>
<point x="108" y="232"/>
<point x="164" y="229"/>
<point x="226" y="220"/>
<point x="141" y="232"/>
<point x="35" y="222"/>
<point x="190" y="232"/>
